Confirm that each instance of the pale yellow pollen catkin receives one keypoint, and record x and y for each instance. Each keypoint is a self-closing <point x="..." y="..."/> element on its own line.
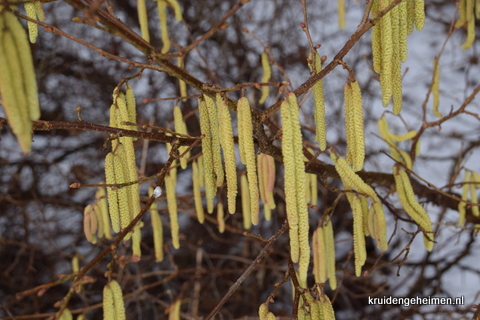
<point x="246" y="208"/>
<point x="267" y="73"/>
<point x="143" y="19"/>
<point x="215" y="139"/>
<point x="197" y="195"/>
<point x="226" y="139"/>
<point x="162" y="16"/>
<point x="172" y="211"/>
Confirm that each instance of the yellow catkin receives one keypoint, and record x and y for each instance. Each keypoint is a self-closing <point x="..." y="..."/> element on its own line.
<point x="180" y="127"/>
<point x="397" y="60"/>
<point x="387" y="54"/>
<point x="32" y="27"/>
<point x="403" y="29"/>
<point x="319" y="102"/>
<point x="108" y="303"/>
<point x="114" y="209"/>
<point x="215" y="139"/>
<point x="377" y="41"/>
<point x="228" y="147"/>
<point x="475" y="178"/>
<point x="172" y="211"/>
<point x="319" y="256"/>
<point x="157" y="229"/>
<point x="176" y="9"/>
<point x="162" y="16"/>
<point x="17" y="118"/>
<point x="477" y="9"/>
<point x="261" y="177"/>
<point x="66" y="315"/>
<point x="357" y="123"/>
<point x="410" y="16"/>
<point x="174" y="310"/>
<point x="341" y="14"/>
<point x="327" y="309"/>
<point x="18" y="109"/>
<point x="263" y="311"/>
<point x="245" y="138"/>
<point x="359" y="246"/>
<point x="246" y="205"/>
<point x="201" y="171"/>
<point x="143" y="19"/>
<point x="349" y="127"/>
<point x="436" y="88"/>
<point x="197" y="195"/>
<point x="470" y="34"/>
<point x="267" y="73"/>
<point x="411" y="205"/>
<point x="290" y="180"/>
<point x="220" y="217"/>
<point x="420" y="14"/>
<point x="102" y="203"/>
<point x="462" y="5"/>
<point x="172" y="172"/>
<point x="137" y="240"/>
<point x="329" y="241"/>
<point x="39" y="11"/>
<point x="124" y="194"/>
<point x="131" y="107"/>
<point x="296" y="169"/>
<point x="89" y="223"/>
<point x="462" y="204"/>
<point x="99" y="219"/>
<point x="365" y="215"/>
<point x="269" y="176"/>
<point x="117" y="300"/>
<point x="181" y="83"/>
<point x="351" y="180"/>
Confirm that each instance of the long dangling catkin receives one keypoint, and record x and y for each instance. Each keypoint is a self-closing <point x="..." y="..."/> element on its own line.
<point x="474" y="179"/>
<point x="108" y="303"/>
<point x="102" y="204"/>
<point x="267" y="73"/>
<point x="228" y="147"/>
<point x="143" y="19"/>
<point x="172" y="211"/>
<point x="137" y="240"/>
<point x="329" y="241"/>
<point x="462" y="204"/>
<point x="215" y="139"/>
<point x="436" y="88"/>
<point x="269" y="166"/>
<point x="341" y="14"/>
<point x="411" y="205"/>
<point x="162" y="16"/>
<point x="15" y="99"/>
<point x="319" y="256"/>
<point x="181" y="83"/>
<point x="176" y="9"/>
<point x="354" y="121"/>
<point x="387" y="54"/>
<point x="124" y="193"/>
<point x="220" y="217"/>
<point x="32" y="27"/>
<point x="246" y="206"/>
<point x="89" y="224"/>
<point x="245" y="138"/>
<point x="295" y="185"/>
<point x="114" y="209"/>
<point x="319" y="102"/>
<point x="117" y="300"/>
<point x="131" y="107"/>
<point x="99" y="219"/>
<point x="359" y="246"/>
<point x="197" y="195"/>
<point x="351" y="180"/>
<point x="174" y="310"/>
<point x="420" y="14"/>
<point x="157" y="229"/>
<point x="180" y="127"/>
